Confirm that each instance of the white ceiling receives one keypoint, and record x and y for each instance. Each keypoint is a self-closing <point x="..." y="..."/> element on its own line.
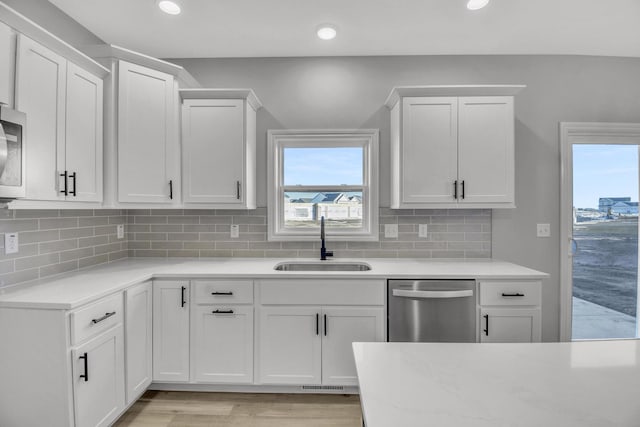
<point x="272" y="28"/>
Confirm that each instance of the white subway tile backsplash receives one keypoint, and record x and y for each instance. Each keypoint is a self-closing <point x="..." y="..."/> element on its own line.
<point x="57" y="241"/>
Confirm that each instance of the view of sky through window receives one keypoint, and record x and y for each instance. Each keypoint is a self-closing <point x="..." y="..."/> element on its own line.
<point x="604" y="171"/>
<point x="323" y="166"/>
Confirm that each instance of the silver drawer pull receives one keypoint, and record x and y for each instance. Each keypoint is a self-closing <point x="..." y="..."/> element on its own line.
<point x="518" y="294"/>
<point x="432" y="294"/>
<point x="105" y="317"/>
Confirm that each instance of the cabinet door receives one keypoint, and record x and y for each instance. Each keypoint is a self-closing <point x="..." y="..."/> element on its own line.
<point x="40" y="93"/>
<point x="98" y="379"/>
<point x="171" y="331"/>
<point x="509" y="325"/>
<point x="429" y="151"/>
<point x="7" y="64"/>
<point x="290" y="345"/>
<point x="486" y="149"/>
<point x="341" y="328"/>
<point x="213" y="149"/>
<point x="138" y="336"/>
<point x="145" y="134"/>
<point x="83" y="142"/>
<point x="223" y="344"/>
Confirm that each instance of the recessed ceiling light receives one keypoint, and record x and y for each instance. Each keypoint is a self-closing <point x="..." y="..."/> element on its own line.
<point x="170" y="7"/>
<point x="327" y="31"/>
<point x="477" y="4"/>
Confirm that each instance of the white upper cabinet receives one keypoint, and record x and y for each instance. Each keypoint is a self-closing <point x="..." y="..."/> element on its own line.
<point x="83" y="142"/>
<point x="449" y="150"/>
<point x="7" y="64"/>
<point x="147" y="165"/>
<point x="430" y="155"/>
<point x="40" y="93"/>
<point x="63" y="104"/>
<point x="486" y="149"/>
<point x="219" y="148"/>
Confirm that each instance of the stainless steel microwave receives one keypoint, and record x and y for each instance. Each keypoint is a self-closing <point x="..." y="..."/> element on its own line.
<point x="12" y="155"/>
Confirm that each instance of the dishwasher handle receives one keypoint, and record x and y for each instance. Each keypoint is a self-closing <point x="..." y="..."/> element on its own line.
<point x="432" y="294"/>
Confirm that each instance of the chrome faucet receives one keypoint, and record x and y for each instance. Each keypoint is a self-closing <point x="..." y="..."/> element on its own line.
<point x="324" y="253"/>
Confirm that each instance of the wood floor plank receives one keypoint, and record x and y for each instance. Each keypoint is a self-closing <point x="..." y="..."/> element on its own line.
<point x="201" y="409"/>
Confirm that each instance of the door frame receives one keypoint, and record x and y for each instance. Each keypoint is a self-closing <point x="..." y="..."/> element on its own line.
<point x="580" y="133"/>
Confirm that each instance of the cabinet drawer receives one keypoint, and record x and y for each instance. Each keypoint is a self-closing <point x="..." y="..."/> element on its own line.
<point x="96" y="318"/>
<point x="224" y="291"/>
<point x="510" y="293"/>
<point x="322" y="292"/>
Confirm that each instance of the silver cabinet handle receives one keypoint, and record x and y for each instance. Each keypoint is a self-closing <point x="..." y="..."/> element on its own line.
<point x="105" y="317"/>
<point x="432" y="294"/>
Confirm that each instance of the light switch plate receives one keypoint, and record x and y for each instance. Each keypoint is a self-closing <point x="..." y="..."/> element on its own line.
<point x="422" y="231"/>
<point x="120" y="231"/>
<point x="391" y="231"/>
<point x="235" y="231"/>
<point x="10" y="243"/>
<point x="544" y="230"/>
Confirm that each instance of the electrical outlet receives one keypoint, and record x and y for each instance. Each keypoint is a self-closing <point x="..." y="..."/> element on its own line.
<point x="391" y="231"/>
<point x="235" y="231"/>
<point x="544" y="230"/>
<point x="422" y="231"/>
<point x="120" y="231"/>
<point x="10" y="243"/>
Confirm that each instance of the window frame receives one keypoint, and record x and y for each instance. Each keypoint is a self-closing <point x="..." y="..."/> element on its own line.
<point x="278" y="140"/>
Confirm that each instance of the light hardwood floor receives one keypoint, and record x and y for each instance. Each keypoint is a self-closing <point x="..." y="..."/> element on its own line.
<point x="182" y="409"/>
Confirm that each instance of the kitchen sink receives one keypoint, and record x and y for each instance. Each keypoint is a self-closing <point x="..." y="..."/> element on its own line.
<point x="322" y="266"/>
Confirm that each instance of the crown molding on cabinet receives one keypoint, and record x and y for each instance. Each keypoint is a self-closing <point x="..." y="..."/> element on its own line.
<point x="24" y="25"/>
<point x="109" y="51"/>
<point x="451" y="90"/>
<point x="247" y="94"/>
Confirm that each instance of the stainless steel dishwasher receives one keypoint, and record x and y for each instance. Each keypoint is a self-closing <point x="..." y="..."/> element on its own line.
<point x="431" y="311"/>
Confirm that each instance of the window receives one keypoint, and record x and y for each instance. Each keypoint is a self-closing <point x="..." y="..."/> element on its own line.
<point x="330" y="174"/>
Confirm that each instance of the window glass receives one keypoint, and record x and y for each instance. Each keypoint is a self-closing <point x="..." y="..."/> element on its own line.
<point x="323" y="166"/>
<point x="303" y="209"/>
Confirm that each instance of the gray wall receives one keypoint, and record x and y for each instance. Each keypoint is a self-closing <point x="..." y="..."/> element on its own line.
<point x="55" y="21"/>
<point x="348" y="92"/>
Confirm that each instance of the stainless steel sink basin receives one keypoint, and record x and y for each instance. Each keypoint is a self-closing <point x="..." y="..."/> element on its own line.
<point x="322" y="266"/>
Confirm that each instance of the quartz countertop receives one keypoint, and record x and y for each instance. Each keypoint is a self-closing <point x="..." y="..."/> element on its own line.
<point x="75" y="289"/>
<point x="588" y="383"/>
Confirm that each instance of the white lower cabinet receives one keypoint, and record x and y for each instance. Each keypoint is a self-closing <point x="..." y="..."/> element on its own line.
<point x="98" y="379"/>
<point x="307" y="327"/>
<point x="510" y="311"/>
<point x="290" y="345"/>
<point x="138" y="339"/>
<point x="312" y="345"/>
<point x="222" y="347"/>
<point x="342" y="327"/>
<point x="509" y="325"/>
<point x="171" y="331"/>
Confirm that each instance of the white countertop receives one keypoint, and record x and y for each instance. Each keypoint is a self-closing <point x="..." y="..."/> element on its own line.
<point x="72" y="290"/>
<point x="590" y="383"/>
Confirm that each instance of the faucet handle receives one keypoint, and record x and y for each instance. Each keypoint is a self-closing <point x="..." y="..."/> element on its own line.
<point x="328" y="253"/>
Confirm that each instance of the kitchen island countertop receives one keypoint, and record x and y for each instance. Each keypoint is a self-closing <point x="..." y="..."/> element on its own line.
<point x="588" y="383"/>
